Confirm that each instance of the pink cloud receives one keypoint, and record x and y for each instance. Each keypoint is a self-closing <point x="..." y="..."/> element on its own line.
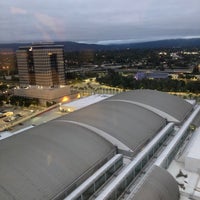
<point x="54" y="24"/>
<point x="18" y="11"/>
<point x="45" y="35"/>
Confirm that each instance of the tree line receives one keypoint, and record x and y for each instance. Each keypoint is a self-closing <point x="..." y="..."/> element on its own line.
<point x="115" y="79"/>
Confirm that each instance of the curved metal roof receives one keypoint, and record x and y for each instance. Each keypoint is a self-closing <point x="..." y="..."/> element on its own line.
<point x="168" y="106"/>
<point x="46" y="160"/>
<point x="158" y="185"/>
<point x="132" y="125"/>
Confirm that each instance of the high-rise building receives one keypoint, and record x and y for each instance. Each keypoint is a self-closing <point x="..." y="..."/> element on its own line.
<point x="41" y="65"/>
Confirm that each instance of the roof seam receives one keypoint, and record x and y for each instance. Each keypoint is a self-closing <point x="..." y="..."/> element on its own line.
<point x="150" y="108"/>
<point x="103" y="134"/>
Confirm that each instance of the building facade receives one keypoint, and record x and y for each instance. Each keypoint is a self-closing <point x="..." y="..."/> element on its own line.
<point x="41" y="65"/>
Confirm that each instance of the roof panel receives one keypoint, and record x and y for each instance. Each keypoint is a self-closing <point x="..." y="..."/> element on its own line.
<point x="45" y="160"/>
<point x="174" y="106"/>
<point x="129" y="123"/>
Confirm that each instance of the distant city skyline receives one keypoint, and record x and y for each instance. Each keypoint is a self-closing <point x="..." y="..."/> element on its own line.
<point x="101" y="22"/>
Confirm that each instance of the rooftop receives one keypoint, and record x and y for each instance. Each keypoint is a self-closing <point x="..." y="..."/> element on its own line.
<point x="52" y="159"/>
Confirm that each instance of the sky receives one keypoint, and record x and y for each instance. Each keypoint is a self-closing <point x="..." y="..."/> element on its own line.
<point x="98" y="21"/>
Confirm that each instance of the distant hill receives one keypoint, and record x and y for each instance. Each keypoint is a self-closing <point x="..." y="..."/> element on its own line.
<point x="74" y="46"/>
<point x="172" y="43"/>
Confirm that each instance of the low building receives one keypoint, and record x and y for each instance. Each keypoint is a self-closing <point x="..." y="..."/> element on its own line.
<point x="113" y="149"/>
<point x="44" y="94"/>
<point x="151" y="75"/>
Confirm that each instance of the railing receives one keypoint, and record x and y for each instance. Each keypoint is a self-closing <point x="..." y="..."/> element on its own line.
<point x="116" y="188"/>
<point x="93" y="183"/>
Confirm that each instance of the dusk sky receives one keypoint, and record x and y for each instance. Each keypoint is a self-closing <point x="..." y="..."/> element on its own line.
<point x="98" y="21"/>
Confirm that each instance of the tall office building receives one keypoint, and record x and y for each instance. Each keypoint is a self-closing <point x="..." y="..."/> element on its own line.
<point x="41" y="65"/>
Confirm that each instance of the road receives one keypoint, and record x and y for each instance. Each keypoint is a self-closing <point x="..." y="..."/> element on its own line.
<point x="40" y="119"/>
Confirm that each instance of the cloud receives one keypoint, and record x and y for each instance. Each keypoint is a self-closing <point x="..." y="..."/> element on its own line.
<point x="45" y="35"/>
<point x="93" y="20"/>
<point x="17" y="11"/>
<point x="53" y="24"/>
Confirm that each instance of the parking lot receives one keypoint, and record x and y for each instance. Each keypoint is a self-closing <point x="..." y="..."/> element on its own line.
<point x="12" y="115"/>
